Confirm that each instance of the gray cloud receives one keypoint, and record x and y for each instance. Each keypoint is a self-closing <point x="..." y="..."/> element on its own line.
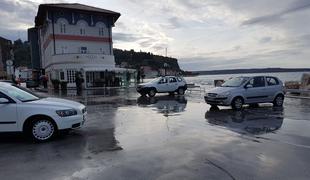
<point x="298" y="5"/>
<point x="265" y="40"/>
<point x="125" y="37"/>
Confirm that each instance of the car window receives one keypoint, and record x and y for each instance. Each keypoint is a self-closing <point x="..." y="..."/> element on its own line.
<point x="19" y="93"/>
<point x="172" y="80"/>
<point x="257" y="81"/>
<point x="179" y="79"/>
<point x="162" y="81"/>
<point x="5" y="96"/>
<point x="271" y="81"/>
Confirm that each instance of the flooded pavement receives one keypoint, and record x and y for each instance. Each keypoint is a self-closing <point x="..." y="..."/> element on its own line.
<point x="168" y="137"/>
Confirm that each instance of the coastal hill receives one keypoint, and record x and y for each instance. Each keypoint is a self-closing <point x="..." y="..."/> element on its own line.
<point x="246" y="71"/>
<point x="132" y="59"/>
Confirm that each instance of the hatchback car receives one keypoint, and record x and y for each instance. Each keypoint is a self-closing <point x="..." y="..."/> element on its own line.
<point x="166" y="84"/>
<point x="40" y="118"/>
<point x="247" y="90"/>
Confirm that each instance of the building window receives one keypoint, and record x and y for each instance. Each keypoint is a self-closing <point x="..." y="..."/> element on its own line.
<point x="101" y="31"/>
<point x="102" y="51"/>
<point x="63" y="49"/>
<point x="71" y="76"/>
<point x="62" y="75"/>
<point x="82" y="31"/>
<point x="62" y="28"/>
<point x="83" y="50"/>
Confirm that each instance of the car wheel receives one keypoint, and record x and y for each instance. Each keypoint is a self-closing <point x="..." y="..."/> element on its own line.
<point x="278" y="101"/>
<point x="237" y="103"/>
<point x="42" y="130"/>
<point x="143" y="94"/>
<point x="214" y="108"/>
<point x="152" y="93"/>
<point x="181" y="91"/>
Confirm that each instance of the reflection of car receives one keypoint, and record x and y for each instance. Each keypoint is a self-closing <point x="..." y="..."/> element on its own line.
<point x="247" y="90"/>
<point x="166" y="105"/>
<point x="23" y="111"/>
<point x="167" y="84"/>
<point x="252" y="120"/>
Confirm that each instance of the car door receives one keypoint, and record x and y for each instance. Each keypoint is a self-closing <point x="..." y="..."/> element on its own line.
<point x="256" y="92"/>
<point x="173" y="84"/>
<point x="273" y="86"/>
<point x="162" y="85"/>
<point x="8" y="115"/>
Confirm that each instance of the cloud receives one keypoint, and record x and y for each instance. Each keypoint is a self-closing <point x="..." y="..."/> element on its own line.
<point x="265" y="40"/>
<point x="125" y="37"/>
<point x="296" y="6"/>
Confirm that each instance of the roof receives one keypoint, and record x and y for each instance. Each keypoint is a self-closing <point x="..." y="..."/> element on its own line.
<point x="108" y="68"/>
<point x="74" y="6"/>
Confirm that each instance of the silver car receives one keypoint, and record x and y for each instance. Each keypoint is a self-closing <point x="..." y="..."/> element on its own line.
<point x="247" y="90"/>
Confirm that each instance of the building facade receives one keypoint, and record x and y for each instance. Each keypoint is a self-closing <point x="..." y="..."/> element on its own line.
<point x="5" y="48"/>
<point x="76" y="38"/>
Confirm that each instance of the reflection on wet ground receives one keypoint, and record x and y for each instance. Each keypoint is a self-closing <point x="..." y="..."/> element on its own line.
<point x="251" y="120"/>
<point x="168" y="137"/>
<point x="167" y="105"/>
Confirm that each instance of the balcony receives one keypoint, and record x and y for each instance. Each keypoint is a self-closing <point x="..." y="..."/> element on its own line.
<point x="87" y="59"/>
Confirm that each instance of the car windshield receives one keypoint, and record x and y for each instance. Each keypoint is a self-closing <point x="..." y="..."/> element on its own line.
<point x="155" y="80"/>
<point x="19" y="93"/>
<point x="235" y="82"/>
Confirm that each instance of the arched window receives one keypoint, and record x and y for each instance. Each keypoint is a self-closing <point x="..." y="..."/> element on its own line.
<point x="82" y="26"/>
<point x="62" y="25"/>
<point x="62" y="28"/>
<point x="101" y="28"/>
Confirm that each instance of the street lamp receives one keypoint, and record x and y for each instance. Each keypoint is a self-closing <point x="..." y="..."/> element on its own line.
<point x="165" y="66"/>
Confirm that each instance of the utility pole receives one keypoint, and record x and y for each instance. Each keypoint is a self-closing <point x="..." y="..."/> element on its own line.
<point x="166" y="51"/>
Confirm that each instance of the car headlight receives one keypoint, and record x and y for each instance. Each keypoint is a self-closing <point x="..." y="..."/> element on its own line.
<point x="225" y="94"/>
<point x="66" y="113"/>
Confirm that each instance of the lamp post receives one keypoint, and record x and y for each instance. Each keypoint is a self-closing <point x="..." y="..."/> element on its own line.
<point x="165" y="66"/>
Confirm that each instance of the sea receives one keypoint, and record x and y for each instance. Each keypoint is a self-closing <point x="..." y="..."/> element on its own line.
<point x="208" y="80"/>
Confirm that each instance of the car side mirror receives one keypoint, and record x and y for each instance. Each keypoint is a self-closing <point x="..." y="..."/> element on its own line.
<point x="4" y="100"/>
<point x="248" y="86"/>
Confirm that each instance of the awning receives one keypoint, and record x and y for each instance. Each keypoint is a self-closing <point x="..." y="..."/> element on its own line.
<point x="102" y="69"/>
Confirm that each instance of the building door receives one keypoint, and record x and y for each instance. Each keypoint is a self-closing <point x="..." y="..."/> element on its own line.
<point x="71" y="77"/>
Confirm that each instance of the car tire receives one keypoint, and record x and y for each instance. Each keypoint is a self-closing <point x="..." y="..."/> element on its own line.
<point x="143" y="94"/>
<point x="237" y="103"/>
<point x="152" y="92"/>
<point x="42" y="130"/>
<point x="214" y="108"/>
<point x="181" y="91"/>
<point x="278" y="100"/>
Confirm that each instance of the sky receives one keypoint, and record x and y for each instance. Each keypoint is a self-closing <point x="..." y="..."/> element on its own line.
<point x="201" y="34"/>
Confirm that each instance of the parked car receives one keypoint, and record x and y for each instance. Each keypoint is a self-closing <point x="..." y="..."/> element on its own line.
<point x="247" y="90"/>
<point x="166" y="84"/>
<point x="40" y="118"/>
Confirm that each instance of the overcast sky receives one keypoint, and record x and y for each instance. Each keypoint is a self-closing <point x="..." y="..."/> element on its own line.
<point x="202" y="34"/>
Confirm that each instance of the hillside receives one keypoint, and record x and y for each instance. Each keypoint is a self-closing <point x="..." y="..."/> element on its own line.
<point x="244" y="71"/>
<point x="132" y="59"/>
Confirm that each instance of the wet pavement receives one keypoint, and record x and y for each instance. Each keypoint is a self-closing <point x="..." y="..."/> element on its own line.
<point x="166" y="137"/>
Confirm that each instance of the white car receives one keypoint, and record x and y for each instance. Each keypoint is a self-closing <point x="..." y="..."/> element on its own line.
<point x="23" y="111"/>
<point x="247" y="90"/>
<point x="166" y="84"/>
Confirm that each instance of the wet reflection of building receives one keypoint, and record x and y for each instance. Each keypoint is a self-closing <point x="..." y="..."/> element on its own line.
<point x="167" y="105"/>
<point x="253" y="121"/>
<point x="101" y="125"/>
